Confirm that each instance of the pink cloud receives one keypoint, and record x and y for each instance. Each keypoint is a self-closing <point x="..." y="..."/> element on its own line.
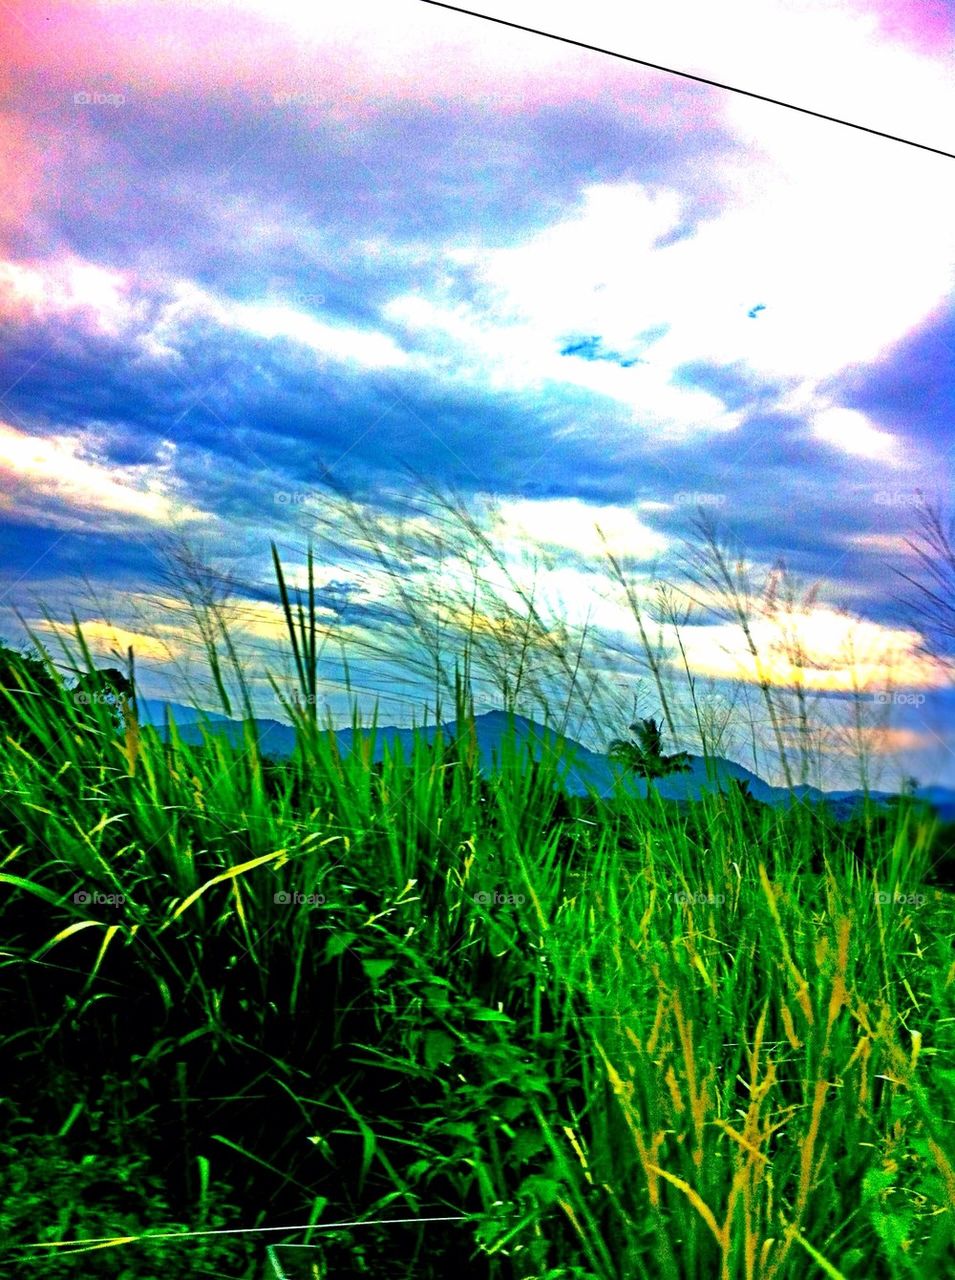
<point x="21" y="174"/>
<point x="927" y="25"/>
<point x="356" y="64"/>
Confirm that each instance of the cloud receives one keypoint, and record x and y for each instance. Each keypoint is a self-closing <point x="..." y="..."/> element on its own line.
<point x="567" y="524"/>
<point x="838" y="653"/>
<point x="854" y="52"/>
<point x="853" y="433"/>
<point x="40" y="469"/>
<point x="72" y="288"/>
<point x="325" y="60"/>
<point x="107" y="641"/>
<point x="67" y="287"/>
<point x="311" y="237"/>
<point x="911" y="388"/>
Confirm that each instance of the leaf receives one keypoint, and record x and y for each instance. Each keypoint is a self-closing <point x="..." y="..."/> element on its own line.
<point x="461" y="1129"/>
<point x="376" y="969"/>
<point x="512" y="1108"/>
<point x="55" y="899"/>
<point x="543" y="1190"/>
<point x="490" y="1015"/>
<point x="338" y="943"/>
<point x="893" y="1229"/>
<point x="438" y="1049"/>
<point x="527" y="1144"/>
<point x="823" y="1263"/>
<point x="369" y="1143"/>
<point x="68" y="932"/>
<point x="220" y="879"/>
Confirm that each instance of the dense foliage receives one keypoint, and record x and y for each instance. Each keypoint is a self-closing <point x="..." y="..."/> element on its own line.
<point x="522" y="1036"/>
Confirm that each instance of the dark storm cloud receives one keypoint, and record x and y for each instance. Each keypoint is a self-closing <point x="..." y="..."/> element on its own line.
<point x="35" y="549"/>
<point x="912" y="389"/>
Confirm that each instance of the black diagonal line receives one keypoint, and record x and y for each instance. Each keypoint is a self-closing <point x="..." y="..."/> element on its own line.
<point x="686" y="75"/>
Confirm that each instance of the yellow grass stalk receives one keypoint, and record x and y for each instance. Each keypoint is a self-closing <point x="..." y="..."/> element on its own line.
<point x="946" y="1170"/>
<point x="698" y="1203"/>
<point x="132" y="745"/>
<point x="574" y="1142"/>
<point x="802" y="986"/>
<point x="790" y="1027"/>
<point x="838" y="997"/>
<point x="697" y="1095"/>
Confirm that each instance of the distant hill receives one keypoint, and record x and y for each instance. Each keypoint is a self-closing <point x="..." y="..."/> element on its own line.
<point x="154" y="711"/>
<point x="581" y="768"/>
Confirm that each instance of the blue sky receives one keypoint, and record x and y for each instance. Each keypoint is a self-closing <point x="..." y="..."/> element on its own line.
<point x="244" y="242"/>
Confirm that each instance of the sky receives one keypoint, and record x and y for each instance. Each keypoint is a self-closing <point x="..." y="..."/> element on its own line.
<point x="245" y="245"/>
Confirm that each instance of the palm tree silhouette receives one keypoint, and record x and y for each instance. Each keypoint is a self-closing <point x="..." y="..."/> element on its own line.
<point x="645" y="755"/>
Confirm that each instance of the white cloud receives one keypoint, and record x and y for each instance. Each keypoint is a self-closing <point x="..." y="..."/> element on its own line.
<point x="51" y="466"/>
<point x="844" y="241"/>
<point x="853" y="433"/>
<point x="68" y="285"/>
<point x="841" y="652"/>
<point x="569" y="524"/>
<point x="595" y="273"/>
<point x="64" y="287"/>
<point x="341" y="343"/>
<point x="830" y="56"/>
<point x="827" y="258"/>
<point x="337" y="342"/>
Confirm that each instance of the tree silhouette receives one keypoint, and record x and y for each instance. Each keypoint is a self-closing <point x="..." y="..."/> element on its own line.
<point x="105" y="686"/>
<point x="25" y="682"/>
<point x="644" y="756"/>
<point x="29" y="690"/>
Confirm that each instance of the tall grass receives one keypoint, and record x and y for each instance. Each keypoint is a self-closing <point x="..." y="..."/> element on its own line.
<point x="522" y="1036"/>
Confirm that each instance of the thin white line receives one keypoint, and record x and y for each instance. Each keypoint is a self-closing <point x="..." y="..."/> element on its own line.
<point x="237" y="1231"/>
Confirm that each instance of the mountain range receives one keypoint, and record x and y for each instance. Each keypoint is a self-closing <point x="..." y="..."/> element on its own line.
<point x="581" y="769"/>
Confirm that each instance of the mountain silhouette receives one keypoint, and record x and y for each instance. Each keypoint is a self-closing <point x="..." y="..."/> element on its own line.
<point x="580" y="770"/>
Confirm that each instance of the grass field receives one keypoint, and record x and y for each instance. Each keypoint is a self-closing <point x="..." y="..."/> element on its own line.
<point x="514" y="1035"/>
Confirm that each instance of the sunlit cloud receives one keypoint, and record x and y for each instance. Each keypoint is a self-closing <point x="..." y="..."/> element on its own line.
<point x="109" y="643"/>
<point x="601" y="301"/>
<point x="854" y="49"/>
<point x="882" y="543"/>
<point x="568" y="524"/>
<point x="158" y="325"/>
<point x="60" y="288"/>
<point x="853" y="433"/>
<point x="35" y="468"/>
<point x="821" y="649"/>
<point x="372" y="350"/>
